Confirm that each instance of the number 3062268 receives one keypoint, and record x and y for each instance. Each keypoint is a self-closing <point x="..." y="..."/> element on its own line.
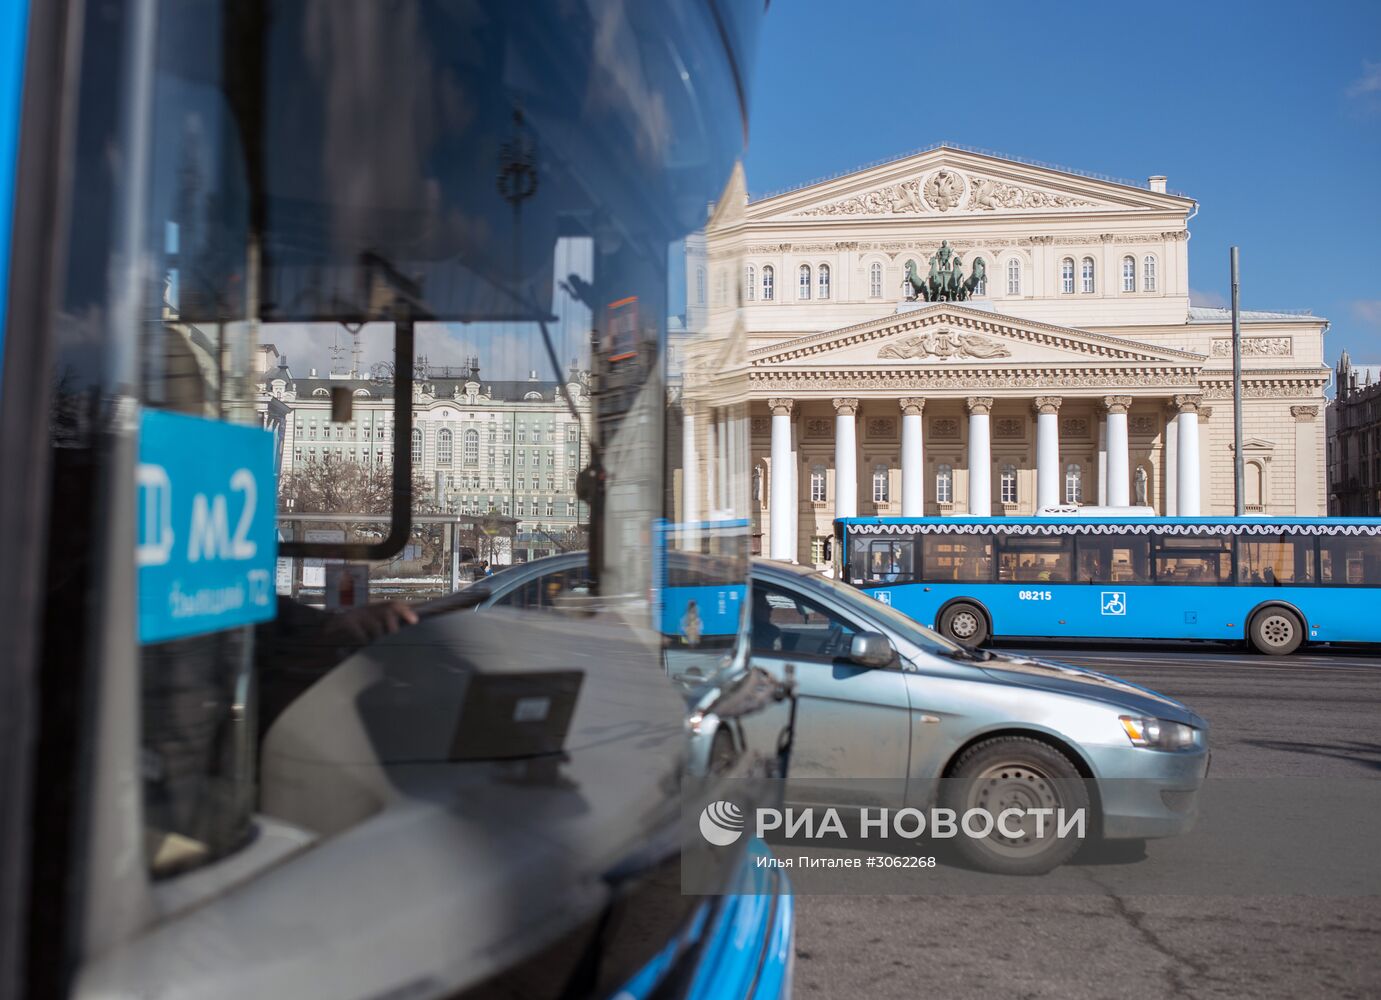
<point x="1034" y="595"/>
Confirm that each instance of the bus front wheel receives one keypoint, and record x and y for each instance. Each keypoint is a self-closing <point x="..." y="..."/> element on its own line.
<point x="965" y="624"/>
<point x="1276" y="631"/>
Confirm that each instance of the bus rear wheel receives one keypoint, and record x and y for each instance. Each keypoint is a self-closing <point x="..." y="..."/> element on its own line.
<point x="964" y="623"/>
<point x="1276" y="631"/>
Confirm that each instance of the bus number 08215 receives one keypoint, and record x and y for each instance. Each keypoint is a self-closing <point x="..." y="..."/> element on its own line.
<point x="1034" y="595"/>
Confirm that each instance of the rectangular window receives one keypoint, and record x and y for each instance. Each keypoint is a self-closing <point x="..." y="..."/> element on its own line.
<point x="1195" y="560"/>
<point x="1030" y="559"/>
<point x="1267" y="561"/>
<point x="1350" y="560"/>
<point x="1124" y="558"/>
<point x="952" y="556"/>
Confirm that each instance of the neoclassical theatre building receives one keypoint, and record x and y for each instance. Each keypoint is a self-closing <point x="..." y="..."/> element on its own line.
<point x="955" y="333"/>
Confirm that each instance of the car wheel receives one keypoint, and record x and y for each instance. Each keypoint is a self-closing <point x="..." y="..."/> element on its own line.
<point x="964" y="623"/>
<point x="1276" y="631"/>
<point x="1016" y="772"/>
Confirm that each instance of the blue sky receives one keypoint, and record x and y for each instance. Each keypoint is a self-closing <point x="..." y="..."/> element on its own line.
<point x="1267" y="113"/>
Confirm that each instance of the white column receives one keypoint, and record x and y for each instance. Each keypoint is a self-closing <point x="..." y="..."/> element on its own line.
<point x="845" y="459"/>
<point x="1172" y="467"/>
<point x="782" y="498"/>
<point x="1187" y="502"/>
<point x="912" y="458"/>
<point x="1047" y="451"/>
<point x="980" y="457"/>
<point x="1102" y="459"/>
<point x="690" y="466"/>
<point x="1119" y="463"/>
<point x="1307" y="490"/>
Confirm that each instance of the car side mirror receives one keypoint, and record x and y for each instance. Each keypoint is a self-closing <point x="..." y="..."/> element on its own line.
<point x="871" y="649"/>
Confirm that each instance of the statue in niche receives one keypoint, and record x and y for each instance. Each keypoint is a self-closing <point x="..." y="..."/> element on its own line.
<point x="1141" y="486"/>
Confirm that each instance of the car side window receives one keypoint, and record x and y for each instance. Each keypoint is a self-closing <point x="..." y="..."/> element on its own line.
<point x="549" y="591"/>
<point x="784" y="622"/>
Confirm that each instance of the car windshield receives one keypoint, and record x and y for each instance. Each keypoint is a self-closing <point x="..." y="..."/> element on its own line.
<point x="914" y="631"/>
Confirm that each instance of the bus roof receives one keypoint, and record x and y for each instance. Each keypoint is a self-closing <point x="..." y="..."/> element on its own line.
<point x="1101" y="525"/>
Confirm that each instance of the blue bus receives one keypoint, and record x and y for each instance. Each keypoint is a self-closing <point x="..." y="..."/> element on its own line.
<point x="700" y="582"/>
<point x="1275" y="583"/>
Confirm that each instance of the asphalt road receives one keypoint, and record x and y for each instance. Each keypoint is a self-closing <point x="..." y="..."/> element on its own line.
<point x="1312" y="716"/>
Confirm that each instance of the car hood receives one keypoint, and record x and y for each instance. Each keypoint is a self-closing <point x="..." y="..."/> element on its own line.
<point x="1051" y="675"/>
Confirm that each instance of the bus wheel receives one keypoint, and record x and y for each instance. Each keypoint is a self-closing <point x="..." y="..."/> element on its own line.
<point x="964" y="623"/>
<point x="1276" y="631"/>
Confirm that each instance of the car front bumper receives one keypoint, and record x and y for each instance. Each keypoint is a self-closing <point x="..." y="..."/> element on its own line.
<point x="1148" y="793"/>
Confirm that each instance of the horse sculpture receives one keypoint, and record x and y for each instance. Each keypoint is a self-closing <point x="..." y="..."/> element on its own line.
<point x="945" y="284"/>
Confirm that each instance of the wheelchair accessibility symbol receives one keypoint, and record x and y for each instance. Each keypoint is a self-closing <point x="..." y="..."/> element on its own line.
<point x="1114" y="602"/>
<point x="885" y="596"/>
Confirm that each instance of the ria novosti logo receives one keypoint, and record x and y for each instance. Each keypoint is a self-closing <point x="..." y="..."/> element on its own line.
<point x="721" y="823"/>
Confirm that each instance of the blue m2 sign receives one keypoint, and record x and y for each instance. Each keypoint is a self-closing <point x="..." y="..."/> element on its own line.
<point x="206" y="535"/>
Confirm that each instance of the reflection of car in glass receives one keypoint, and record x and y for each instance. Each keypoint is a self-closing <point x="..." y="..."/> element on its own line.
<point x="880" y="697"/>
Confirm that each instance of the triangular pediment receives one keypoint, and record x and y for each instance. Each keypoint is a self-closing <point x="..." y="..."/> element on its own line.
<point x="950" y="335"/>
<point x="945" y="183"/>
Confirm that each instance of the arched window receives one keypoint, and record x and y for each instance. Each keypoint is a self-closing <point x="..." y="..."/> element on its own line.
<point x="1074" y="483"/>
<point x="443" y="447"/>
<point x="768" y="278"/>
<point x="1086" y="276"/>
<point x="417" y="446"/>
<point x="817" y="484"/>
<point x="751" y="281"/>
<point x="1255" y="486"/>
<point x="1008" y="483"/>
<point x="981" y="288"/>
<point x="1129" y="274"/>
<point x="472" y="447"/>
<point x="1014" y="277"/>
<point x="823" y="279"/>
<point x="700" y="286"/>
<point x="875" y="280"/>
<point x="1148" y="273"/>
<point x="803" y="289"/>
<point x="944" y="484"/>
<point x="1067" y="276"/>
<point x="881" y="493"/>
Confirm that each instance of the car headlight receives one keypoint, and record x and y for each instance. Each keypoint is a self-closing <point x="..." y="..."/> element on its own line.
<point x="1158" y="734"/>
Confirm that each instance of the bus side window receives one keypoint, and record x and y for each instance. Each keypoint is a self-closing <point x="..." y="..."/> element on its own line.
<point x="858" y="560"/>
<point x="1275" y="560"/>
<point x="1196" y="560"/>
<point x="1350" y="560"/>
<point x="1117" y="558"/>
<point x="1022" y="558"/>
<point x="952" y="556"/>
<point x="890" y="561"/>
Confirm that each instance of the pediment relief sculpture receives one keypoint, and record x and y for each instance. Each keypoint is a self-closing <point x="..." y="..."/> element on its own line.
<point x="946" y="345"/>
<point x="942" y="191"/>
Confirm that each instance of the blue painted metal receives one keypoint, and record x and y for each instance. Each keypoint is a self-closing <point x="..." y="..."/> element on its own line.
<point x="14" y="21"/>
<point x="746" y="943"/>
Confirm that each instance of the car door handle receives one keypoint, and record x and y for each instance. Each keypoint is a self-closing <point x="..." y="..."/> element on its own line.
<point x="927" y="718"/>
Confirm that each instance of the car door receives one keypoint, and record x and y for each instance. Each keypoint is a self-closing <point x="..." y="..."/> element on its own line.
<point x="852" y="740"/>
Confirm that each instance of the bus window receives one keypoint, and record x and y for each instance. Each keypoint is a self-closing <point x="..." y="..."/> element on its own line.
<point x="1023" y="558"/>
<point x="1114" y="558"/>
<point x="1275" y="560"/>
<point x="1354" y="560"/>
<point x="883" y="561"/>
<point x="968" y="558"/>
<point x="1199" y="560"/>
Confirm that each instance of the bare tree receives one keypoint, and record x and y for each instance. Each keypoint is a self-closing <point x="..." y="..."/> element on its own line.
<point x="336" y="487"/>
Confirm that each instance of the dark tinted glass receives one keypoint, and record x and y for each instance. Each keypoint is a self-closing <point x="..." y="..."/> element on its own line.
<point x="1352" y="560"/>
<point x="1119" y="558"/>
<point x="967" y="558"/>
<point x="1038" y="559"/>
<point x="1284" y="559"/>
<point x="1198" y="560"/>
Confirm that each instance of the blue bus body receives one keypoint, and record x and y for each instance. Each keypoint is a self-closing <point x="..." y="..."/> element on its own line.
<point x="702" y="564"/>
<point x="1336" y="604"/>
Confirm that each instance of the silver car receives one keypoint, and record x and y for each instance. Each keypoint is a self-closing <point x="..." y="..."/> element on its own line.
<point x="890" y="713"/>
